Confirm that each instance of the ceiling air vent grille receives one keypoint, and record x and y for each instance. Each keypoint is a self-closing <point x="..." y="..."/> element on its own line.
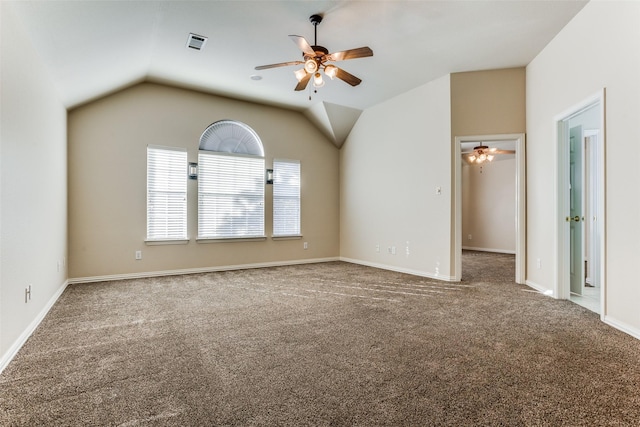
<point x="196" y="42"/>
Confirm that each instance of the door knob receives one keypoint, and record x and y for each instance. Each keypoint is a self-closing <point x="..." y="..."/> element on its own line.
<point x="575" y="218"/>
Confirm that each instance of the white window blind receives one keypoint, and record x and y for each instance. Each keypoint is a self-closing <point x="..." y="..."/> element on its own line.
<point x="230" y="196"/>
<point x="166" y="193"/>
<point x="286" y="197"/>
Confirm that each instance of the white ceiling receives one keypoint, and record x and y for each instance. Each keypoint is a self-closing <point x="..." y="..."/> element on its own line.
<point x="93" y="48"/>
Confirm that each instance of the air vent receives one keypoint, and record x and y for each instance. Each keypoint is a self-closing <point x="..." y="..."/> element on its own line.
<point x="196" y="42"/>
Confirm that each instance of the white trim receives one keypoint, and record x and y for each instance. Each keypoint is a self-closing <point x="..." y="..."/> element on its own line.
<point x="6" y="358"/>
<point x="622" y="326"/>
<point x="400" y="270"/>
<point x="561" y="236"/>
<point x="498" y="251"/>
<point x="520" y="201"/>
<point x="230" y="239"/>
<point x="143" y="275"/>
<point x="544" y="291"/>
<point x="159" y="242"/>
<point x="287" y="237"/>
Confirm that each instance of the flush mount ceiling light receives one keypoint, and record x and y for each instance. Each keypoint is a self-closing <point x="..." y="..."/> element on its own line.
<point x="483" y="153"/>
<point x="316" y="58"/>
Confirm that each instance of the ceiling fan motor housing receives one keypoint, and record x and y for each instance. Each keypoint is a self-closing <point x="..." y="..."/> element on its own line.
<point x="320" y="51"/>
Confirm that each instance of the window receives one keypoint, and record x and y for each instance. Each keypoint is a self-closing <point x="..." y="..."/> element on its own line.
<point x="230" y="182"/>
<point x="166" y="193"/>
<point x="230" y="196"/>
<point x="286" y="197"/>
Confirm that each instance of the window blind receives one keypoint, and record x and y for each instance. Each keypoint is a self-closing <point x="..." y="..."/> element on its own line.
<point x="230" y="196"/>
<point x="286" y="197"/>
<point x="166" y="193"/>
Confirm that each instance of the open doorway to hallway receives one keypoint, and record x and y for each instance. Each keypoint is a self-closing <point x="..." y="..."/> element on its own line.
<point x="487" y="227"/>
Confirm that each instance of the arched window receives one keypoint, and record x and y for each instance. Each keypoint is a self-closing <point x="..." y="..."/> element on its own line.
<point x="231" y="174"/>
<point x="230" y="136"/>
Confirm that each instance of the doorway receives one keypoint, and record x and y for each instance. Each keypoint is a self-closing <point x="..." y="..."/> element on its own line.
<point x="580" y="239"/>
<point x="520" y="197"/>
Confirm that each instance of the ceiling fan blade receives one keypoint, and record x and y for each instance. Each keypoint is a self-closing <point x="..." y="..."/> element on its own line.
<point x="303" y="44"/>
<point x="347" y="77"/>
<point x="280" y="64"/>
<point x="360" y="52"/>
<point x="303" y="82"/>
<point x="504" y="152"/>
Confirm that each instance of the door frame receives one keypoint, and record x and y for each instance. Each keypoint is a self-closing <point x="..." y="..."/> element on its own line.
<point x="562" y="234"/>
<point x="520" y="200"/>
<point x="593" y="159"/>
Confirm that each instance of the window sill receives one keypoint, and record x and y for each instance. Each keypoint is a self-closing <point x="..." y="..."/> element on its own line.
<point x="166" y="242"/>
<point x="230" y="239"/>
<point x="287" y="237"/>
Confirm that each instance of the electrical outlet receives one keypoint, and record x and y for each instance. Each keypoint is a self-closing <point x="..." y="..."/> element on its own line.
<point x="306" y="245"/>
<point x="538" y="263"/>
<point x="59" y="265"/>
<point x="438" y="191"/>
<point x="138" y="255"/>
<point x="27" y="294"/>
<point x="469" y="237"/>
<point x="393" y="250"/>
<point x="377" y="248"/>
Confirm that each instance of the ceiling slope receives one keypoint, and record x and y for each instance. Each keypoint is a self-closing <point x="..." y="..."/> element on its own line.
<point x="95" y="47"/>
<point x="334" y="121"/>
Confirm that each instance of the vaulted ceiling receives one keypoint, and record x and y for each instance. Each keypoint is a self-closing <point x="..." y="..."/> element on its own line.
<point x="93" y="48"/>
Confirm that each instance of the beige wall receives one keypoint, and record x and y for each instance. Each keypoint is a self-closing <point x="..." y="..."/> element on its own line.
<point x="488" y="102"/>
<point x="391" y="164"/>
<point x="488" y="206"/>
<point x="599" y="48"/>
<point x="33" y="191"/>
<point x="107" y="182"/>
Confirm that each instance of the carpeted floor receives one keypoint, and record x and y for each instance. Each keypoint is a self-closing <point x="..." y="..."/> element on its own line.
<point x="332" y="344"/>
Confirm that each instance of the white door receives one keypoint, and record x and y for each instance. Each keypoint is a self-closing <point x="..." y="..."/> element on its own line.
<point x="576" y="210"/>
<point x="580" y="206"/>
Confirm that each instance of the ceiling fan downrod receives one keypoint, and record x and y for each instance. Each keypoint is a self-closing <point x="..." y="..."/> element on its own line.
<point x="315" y="20"/>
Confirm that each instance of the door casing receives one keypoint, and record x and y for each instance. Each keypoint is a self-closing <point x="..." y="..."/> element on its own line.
<point x="520" y="201"/>
<point x="562" y="234"/>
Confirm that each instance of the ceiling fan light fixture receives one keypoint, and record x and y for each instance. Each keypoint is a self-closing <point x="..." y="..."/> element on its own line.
<point x="317" y="80"/>
<point x="300" y="74"/>
<point x="310" y="66"/>
<point x="331" y="71"/>
<point x="472" y="158"/>
<point x="490" y="157"/>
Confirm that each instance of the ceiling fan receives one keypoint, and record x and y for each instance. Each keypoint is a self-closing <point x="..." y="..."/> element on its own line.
<point x="483" y="153"/>
<point x="315" y="58"/>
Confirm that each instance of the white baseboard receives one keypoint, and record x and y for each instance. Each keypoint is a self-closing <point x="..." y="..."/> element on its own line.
<point x="146" y="274"/>
<point x="540" y="288"/>
<point x="498" y="251"/>
<point x="399" y="269"/>
<point x="6" y="358"/>
<point x="622" y="326"/>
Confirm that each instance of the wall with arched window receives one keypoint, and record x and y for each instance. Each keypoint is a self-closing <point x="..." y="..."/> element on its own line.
<point x="108" y="143"/>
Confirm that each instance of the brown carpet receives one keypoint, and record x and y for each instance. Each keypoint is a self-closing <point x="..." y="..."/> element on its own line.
<point x="331" y="344"/>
